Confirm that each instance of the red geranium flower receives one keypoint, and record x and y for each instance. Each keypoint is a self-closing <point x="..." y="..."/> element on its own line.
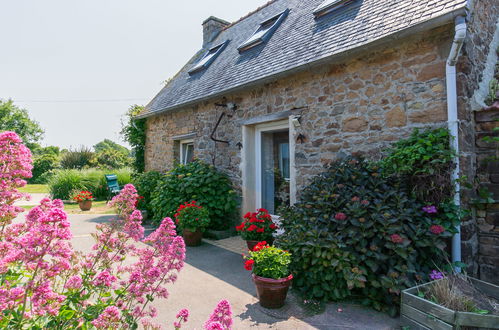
<point x="260" y="230"/>
<point x="396" y="238"/>
<point x="252" y="227"/>
<point x="240" y="227"/>
<point x="248" y="265"/>
<point x="273" y="226"/>
<point x="437" y="229"/>
<point x="260" y="245"/>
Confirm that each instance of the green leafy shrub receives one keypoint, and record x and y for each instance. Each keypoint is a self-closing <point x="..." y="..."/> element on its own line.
<point x="42" y="166"/>
<point x="200" y="182"/>
<point x="77" y="159"/>
<point x="424" y="162"/>
<point x="64" y="183"/>
<point x="134" y="132"/>
<point x="146" y="183"/>
<point x="110" y="159"/>
<point x="356" y="233"/>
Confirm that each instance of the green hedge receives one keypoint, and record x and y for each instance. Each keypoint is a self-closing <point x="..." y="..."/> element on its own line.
<point x="146" y="183"/>
<point x="200" y="182"/>
<point x="64" y="183"/>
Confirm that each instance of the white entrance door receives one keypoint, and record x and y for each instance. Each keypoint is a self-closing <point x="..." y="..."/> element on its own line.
<point x="272" y="165"/>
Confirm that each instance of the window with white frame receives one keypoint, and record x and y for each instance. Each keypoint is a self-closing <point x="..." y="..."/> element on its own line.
<point x="186" y="151"/>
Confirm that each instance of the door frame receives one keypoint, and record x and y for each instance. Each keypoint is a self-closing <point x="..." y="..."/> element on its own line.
<point x="259" y="129"/>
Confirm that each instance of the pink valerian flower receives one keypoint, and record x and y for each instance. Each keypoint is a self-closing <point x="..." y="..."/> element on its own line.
<point x="396" y="238"/>
<point x="182" y="317"/>
<point x="437" y="229"/>
<point x="430" y="209"/>
<point x="222" y="315"/>
<point x="74" y="283"/>
<point x="340" y="216"/>
<point x="104" y="279"/>
<point x="436" y="275"/>
<point x="214" y="326"/>
<point x="109" y="318"/>
<point x="15" y="166"/>
<point x="125" y="202"/>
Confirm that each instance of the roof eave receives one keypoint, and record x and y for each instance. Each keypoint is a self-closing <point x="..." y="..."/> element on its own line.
<point x="421" y="27"/>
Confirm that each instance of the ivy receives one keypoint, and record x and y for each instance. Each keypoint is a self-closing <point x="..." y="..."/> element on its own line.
<point x="134" y="132"/>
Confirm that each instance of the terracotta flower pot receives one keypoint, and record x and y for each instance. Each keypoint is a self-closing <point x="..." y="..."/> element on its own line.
<point x="251" y="244"/>
<point x="192" y="238"/>
<point x="272" y="293"/>
<point x="85" y="205"/>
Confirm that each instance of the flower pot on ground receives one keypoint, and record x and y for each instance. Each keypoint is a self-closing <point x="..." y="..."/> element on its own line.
<point x="84" y="199"/>
<point x="256" y="227"/>
<point x="451" y="302"/>
<point x="192" y="219"/>
<point x="85" y="205"/>
<point x="271" y="275"/>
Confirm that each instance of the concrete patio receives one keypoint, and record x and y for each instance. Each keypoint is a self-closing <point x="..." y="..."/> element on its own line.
<point x="214" y="271"/>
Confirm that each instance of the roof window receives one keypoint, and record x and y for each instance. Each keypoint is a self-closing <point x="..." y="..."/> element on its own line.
<point x="329" y="6"/>
<point x="264" y="31"/>
<point x="208" y="58"/>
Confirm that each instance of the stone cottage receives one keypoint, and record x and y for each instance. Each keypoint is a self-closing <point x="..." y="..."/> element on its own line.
<point x="271" y="98"/>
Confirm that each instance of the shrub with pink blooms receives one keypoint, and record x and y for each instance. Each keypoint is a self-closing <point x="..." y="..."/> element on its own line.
<point x="45" y="283"/>
<point x="357" y="233"/>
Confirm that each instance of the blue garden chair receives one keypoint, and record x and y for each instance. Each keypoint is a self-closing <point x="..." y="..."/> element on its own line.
<point x="113" y="187"/>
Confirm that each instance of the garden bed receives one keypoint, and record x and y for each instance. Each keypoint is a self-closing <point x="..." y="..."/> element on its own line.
<point x="420" y="313"/>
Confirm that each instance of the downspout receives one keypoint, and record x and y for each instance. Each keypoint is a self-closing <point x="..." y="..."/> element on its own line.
<point x="453" y="124"/>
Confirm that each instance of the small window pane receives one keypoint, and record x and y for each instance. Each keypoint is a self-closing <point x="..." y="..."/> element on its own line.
<point x="187" y="153"/>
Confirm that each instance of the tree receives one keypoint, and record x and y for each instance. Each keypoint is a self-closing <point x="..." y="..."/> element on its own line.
<point x="107" y="144"/>
<point x="134" y="132"/>
<point x="13" y="118"/>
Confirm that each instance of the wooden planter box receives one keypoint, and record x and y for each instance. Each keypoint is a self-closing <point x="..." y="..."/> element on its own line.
<point x="419" y="313"/>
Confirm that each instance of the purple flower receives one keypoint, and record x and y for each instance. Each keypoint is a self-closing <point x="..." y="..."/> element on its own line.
<point x="436" y="275"/>
<point x="430" y="209"/>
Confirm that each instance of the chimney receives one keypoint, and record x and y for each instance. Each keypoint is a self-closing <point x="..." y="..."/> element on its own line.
<point x="212" y="26"/>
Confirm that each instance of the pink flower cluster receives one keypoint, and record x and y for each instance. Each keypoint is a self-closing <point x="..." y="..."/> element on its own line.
<point x="44" y="272"/>
<point x="15" y="166"/>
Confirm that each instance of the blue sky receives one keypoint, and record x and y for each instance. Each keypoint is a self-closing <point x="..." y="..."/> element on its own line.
<point x="77" y="66"/>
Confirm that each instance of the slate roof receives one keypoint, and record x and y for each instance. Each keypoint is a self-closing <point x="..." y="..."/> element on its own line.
<point x="300" y="40"/>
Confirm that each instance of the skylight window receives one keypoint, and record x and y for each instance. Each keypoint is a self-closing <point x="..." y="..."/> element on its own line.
<point x="264" y="31"/>
<point x="208" y="58"/>
<point x="329" y="6"/>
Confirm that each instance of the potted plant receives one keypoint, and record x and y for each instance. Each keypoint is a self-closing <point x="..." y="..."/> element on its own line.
<point x="271" y="274"/>
<point x="451" y="302"/>
<point x="192" y="219"/>
<point x="84" y="199"/>
<point x="256" y="227"/>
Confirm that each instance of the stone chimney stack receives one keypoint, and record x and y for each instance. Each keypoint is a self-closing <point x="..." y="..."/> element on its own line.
<point x="212" y="26"/>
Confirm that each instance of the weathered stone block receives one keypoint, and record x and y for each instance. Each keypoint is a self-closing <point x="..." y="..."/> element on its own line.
<point x="396" y="117"/>
<point x="354" y="124"/>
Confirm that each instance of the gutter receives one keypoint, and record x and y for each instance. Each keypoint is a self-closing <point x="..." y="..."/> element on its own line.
<point x="330" y="59"/>
<point x="453" y="125"/>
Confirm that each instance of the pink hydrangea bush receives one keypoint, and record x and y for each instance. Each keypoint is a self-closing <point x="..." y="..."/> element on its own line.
<point x="44" y="283"/>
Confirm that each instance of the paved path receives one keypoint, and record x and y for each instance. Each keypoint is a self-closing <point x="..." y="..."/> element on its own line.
<point x="213" y="273"/>
<point x="34" y="200"/>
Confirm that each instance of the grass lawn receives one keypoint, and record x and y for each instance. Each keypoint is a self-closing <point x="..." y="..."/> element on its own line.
<point x="98" y="207"/>
<point x="35" y="189"/>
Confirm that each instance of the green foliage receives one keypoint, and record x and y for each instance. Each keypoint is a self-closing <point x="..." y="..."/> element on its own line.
<point x="110" y="159"/>
<point x="64" y="183"/>
<point x="493" y="90"/>
<point x="77" y="159"/>
<point x="43" y="167"/>
<point x="356" y="232"/>
<point x="13" y="118"/>
<point x="146" y="183"/>
<point x="134" y="132"/>
<point x="192" y="217"/>
<point x="271" y="262"/>
<point x="107" y="144"/>
<point x="200" y="182"/>
<point x="424" y="162"/>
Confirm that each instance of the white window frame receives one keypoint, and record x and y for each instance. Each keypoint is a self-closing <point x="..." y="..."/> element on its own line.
<point x="181" y="144"/>
<point x="259" y="129"/>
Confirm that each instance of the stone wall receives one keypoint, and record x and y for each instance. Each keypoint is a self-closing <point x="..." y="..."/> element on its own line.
<point x="479" y="234"/>
<point x="356" y="106"/>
